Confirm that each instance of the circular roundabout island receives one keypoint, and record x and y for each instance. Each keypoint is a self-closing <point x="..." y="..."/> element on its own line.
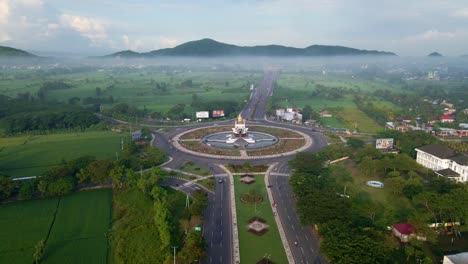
<point x="242" y="142"/>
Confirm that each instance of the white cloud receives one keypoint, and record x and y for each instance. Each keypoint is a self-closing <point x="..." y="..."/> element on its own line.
<point x="4" y="11"/>
<point x="91" y="28"/>
<point x="31" y="3"/>
<point x="462" y="12"/>
<point x="134" y="45"/>
<point x="431" y="35"/>
<point x="165" y="42"/>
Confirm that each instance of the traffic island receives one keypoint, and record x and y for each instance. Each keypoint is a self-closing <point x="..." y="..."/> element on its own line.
<point x="257" y="232"/>
<point x="259" y="142"/>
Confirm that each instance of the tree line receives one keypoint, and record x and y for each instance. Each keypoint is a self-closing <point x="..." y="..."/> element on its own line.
<point x="18" y="115"/>
<point x="354" y="227"/>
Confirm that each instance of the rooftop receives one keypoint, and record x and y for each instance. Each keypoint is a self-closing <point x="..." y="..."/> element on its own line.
<point x="448" y="173"/>
<point x="438" y="150"/>
<point x="461" y="159"/>
<point x="404" y="228"/>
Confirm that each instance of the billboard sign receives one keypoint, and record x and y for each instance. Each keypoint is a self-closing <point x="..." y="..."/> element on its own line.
<point x="202" y="114"/>
<point x="217" y="113"/>
<point x="384" y="143"/>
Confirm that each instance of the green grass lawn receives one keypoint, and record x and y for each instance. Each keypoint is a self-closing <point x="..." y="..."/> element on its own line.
<point x="78" y="234"/>
<point x="32" y="155"/>
<point x="253" y="247"/>
<point x="383" y="197"/>
<point x="139" y="88"/>
<point x="23" y="225"/>
<point x="191" y="167"/>
<point x="355" y="118"/>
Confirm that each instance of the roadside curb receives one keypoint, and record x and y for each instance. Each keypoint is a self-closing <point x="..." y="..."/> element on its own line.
<point x="232" y="202"/>
<point x="284" y="240"/>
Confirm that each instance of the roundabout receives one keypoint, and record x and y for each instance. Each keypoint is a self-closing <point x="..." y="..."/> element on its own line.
<point x="242" y="142"/>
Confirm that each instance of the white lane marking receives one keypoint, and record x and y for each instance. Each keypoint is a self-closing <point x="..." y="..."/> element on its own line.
<point x="289" y="217"/>
<point x="302" y="251"/>
<point x="293" y="228"/>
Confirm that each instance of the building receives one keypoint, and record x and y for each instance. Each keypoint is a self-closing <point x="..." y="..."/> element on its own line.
<point x="443" y="161"/>
<point x="460" y="258"/>
<point x="325" y="113"/>
<point x="289" y="114"/>
<point x="446" y="119"/>
<point x="398" y="126"/>
<point x="405" y="231"/>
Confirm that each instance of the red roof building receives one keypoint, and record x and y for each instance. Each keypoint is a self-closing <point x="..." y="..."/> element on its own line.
<point x="404" y="231"/>
<point x="446" y="119"/>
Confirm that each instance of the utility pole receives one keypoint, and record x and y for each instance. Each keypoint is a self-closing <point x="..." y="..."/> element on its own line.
<point x="174" y="254"/>
<point x="187" y="202"/>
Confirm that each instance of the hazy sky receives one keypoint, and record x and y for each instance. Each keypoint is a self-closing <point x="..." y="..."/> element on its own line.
<point x="407" y="27"/>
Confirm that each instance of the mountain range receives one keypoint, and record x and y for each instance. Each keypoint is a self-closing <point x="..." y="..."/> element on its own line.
<point x="212" y="48"/>
<point x="12" y="52"/>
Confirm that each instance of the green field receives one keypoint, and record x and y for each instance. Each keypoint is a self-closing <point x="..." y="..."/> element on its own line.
<point x="252" y="247"/>
<point x="139" y="87"/>
<point x="77" y="235"/>
<point x="32" y="155"/>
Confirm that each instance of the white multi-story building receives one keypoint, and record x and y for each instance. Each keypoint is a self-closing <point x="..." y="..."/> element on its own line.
<point x="444" y="161"/>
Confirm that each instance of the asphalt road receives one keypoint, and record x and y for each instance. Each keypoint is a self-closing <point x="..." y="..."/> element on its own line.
<point x="217" y="226"/>
<point x="306" y="250"/>
<point x="217" y="218"/>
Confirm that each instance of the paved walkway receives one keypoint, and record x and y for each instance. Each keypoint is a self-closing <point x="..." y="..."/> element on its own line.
<point x="235" y="232"/>
<point x="284" y="240"/>
<point x="183" y="172"/>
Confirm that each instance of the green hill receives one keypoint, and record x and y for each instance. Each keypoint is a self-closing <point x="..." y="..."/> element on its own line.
<point x="211" y="48"/>
<point x="12" y="52"/>
<point x="435" y="54"/>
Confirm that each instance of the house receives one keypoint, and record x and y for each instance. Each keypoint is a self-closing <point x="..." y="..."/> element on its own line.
<point x="289" y="114"/>
<point x="136" y="135"/>
<point x="443" y="161"/>
<point x="398" y="126"/>
<point x="405" y="231"/>
<point x="325" y="113"/>
<point x="449" y="105"/>
<point x="460" y="258"/>
<point x="446" y="119"/>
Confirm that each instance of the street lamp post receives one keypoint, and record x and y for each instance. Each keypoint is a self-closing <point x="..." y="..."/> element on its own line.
<point x="174" y="254"/>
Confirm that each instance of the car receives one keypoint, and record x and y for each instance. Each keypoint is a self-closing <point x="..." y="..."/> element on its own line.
<point x="220" y="180"/>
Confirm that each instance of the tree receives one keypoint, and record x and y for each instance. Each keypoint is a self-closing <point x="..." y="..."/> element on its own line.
<point x="6" y="187"/>
<point x="27" y="190"/>
<point x="193" y="250"/>
<point x="39" y="251"/>
<point x="200" y="201"/>
<point x="162" y="221"/>
<point x="117" y="176"/>
<point x="356" y="143"/>
<point x="96" y="172"/>
<point x="395" y="184"/>
<point x="309" y="113"/>
<point x="343" y="244"/>
<point x="307" y="162"/>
